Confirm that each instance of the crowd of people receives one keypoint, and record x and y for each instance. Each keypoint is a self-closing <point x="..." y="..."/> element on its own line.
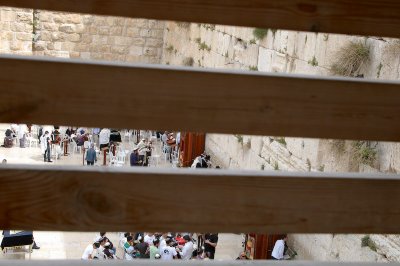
<point x="58" y="141"/>
<point x="163" y="246"/>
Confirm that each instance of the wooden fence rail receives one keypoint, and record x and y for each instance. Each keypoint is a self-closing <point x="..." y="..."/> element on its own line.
<point x="167" y="200"/>
<point x="59" y="91"/>
<point x="368" y="17"/>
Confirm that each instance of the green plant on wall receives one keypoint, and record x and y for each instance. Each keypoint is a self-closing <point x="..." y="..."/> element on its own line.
<point x="260" y="34"/>
<point x="276" y="166"/>
<point x="188" y="61"/>
<point x="366" y="241"/>
<point x="239" y="139"/>
<point x="308" y="163"/>
<point x="281" y="140"/>
<point x="203" y="46"/>
<point x="313" y="62"/>
<point x="378" y="74"/>
<point x="365" y="153"/>
<point x="253" y="68"/>
<point x="170" y="48"/>
<point x="350" y="58"/>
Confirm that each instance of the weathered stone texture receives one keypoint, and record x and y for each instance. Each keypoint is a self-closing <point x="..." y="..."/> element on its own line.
<point x="300" y="53"/>
<point x="16" y="31"/>
<point x="80" y="36"/>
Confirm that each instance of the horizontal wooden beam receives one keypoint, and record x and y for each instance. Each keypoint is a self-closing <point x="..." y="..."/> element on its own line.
<point x="183" y="263"/>
<point x="168" y="200"/>
<point x="368" y="17"/>
<point x="119" y="95"/>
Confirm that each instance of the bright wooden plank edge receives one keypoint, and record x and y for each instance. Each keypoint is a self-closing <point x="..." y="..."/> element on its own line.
<point x="183" y="263"/>
<point x="120" y="95"/>
<point x="169" y="200"/>
<point x="373" y="17"/>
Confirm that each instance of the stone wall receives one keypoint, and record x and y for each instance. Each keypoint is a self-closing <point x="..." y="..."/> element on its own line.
<point x="98" y="37"/>
<point x="214" y="46"/>
<point x="45" y="33"/>
<point x="16" y="31"/>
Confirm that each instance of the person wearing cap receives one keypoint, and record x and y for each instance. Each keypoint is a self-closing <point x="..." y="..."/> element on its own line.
<point x="187" y="250"/>
<point x="134" y="158"/>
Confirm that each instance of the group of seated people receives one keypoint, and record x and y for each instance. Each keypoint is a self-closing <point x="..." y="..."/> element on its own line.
<point x="168" y="246"/>
<point x="141" y="153"/>
<point x="163" y="246"/>
<point x="101" y="249"/>
<point x="202" y="161"/>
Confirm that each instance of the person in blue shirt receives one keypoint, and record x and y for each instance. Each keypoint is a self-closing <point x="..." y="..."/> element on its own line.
<point x="134" y="158"/>
<point x="91" y="155"/>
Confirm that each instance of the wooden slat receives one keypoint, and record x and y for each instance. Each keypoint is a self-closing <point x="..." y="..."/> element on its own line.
<point x="183" y="263"/>
<point x="368" y="17"/>
<point x="168" y="200"/>
<point x="63" y="92"/>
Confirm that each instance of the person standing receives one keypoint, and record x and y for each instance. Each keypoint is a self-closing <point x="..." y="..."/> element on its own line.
<point x="91" y="155"/>
<point x="96" y="132"/>
<point x="210" y="243"/>
<point x="104" y="138"/>
<point x="22" y="130"/>
<point x="46" y="142"/>
<point x="279" y="248"/>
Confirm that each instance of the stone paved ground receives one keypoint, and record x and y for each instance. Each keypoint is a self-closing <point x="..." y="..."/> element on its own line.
<point x="67" y="245"/>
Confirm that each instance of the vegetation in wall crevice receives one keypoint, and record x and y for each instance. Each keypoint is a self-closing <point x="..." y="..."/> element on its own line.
<point x="260" y="34"/>
<point x="350" y="59"/>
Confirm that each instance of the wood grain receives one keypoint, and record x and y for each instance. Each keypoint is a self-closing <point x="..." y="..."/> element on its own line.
<point x="170" y="200"/>
<point x="65" y="92"/>
<point x="368" y="17"/>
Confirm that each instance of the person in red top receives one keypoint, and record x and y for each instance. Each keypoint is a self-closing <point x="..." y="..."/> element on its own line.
<point x="179" y="239"/>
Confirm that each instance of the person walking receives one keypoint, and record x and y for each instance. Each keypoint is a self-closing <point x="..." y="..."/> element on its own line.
<point x="91" y="155"/>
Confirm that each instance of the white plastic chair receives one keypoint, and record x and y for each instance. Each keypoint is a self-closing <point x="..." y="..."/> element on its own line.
<point x="31" y="140"/>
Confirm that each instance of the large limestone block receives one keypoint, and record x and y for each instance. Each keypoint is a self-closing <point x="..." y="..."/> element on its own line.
<point x="279" y="62"/>
<point x="67" y="28"/>
<point x="24" y="36"/>
<point x="265" y="57"/>
<point x="136" y="50"/>
<point x="74" y="37"/>
<point x="7" y="15"/>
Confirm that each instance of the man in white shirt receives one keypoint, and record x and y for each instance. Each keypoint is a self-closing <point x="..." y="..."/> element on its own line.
<point x="88" y="253"/>
<point x="279" y="249"/>
<point x="104" y="137"/>
<point x="162" y="244"/>
<point x="149" y="238"/>
<point x="187" y="250"/>
<point x="168" y="252"/>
